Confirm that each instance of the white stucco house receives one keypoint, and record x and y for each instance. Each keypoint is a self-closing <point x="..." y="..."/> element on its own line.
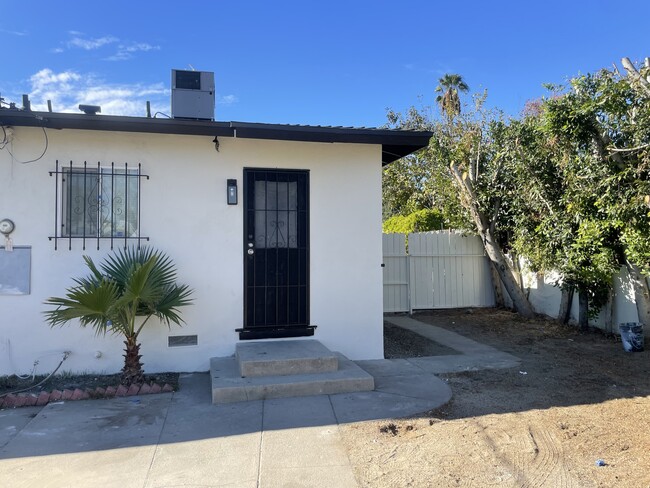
<point x="277" y="228"/>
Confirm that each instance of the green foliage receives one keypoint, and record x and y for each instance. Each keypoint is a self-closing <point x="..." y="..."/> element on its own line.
<point x="131" y="284"/>
<point x="422" y="181"/>
<point x="418" y="221"/>
<point x="567" y="185"/>
<point x="584" y="211"/>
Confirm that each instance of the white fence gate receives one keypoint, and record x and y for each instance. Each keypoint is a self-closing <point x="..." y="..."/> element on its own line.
<point x="441" y="270"/>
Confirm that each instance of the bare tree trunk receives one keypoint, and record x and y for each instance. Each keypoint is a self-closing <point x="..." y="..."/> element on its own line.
<point x="499" y="300"/>
<point x="583" y="306"/>
<point x="610" y="311"/>
<point x="641" y="293"/>
<point x="492" y="247"/>
<point x="516" y="269"/>
<point x="565" y="306"/>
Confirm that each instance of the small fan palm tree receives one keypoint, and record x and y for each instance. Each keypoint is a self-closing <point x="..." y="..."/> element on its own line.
<point x="128" y="284"/>
<point x="449" y="101"/>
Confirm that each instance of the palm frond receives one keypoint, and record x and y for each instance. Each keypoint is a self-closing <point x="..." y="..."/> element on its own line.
<point x="129" y="283"/>
<point x="92" y="305"/>
<point x="166" y="309"/>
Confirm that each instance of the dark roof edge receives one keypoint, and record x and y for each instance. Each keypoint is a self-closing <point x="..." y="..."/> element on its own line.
<point x="395" y="143"/>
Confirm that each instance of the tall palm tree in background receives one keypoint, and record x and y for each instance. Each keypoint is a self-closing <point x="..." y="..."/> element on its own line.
<point x="129" y="284"/>
<point x="449" y="101"/>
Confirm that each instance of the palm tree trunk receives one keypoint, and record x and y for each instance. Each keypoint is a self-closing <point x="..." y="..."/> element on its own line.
<point x="132" y="371"/>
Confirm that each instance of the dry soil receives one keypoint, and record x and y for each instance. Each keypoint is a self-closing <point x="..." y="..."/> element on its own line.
<point x="577" y="401"/>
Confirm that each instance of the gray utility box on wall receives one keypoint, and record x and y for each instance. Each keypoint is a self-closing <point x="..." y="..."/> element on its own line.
<point x="192" y="95"/>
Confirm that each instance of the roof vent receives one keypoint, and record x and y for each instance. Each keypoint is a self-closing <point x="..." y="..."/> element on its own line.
<point x="192" y="95"/>
<point x="90" y="109"/>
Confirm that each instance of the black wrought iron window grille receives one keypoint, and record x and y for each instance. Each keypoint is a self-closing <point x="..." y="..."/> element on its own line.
<point x="97" y="203"/>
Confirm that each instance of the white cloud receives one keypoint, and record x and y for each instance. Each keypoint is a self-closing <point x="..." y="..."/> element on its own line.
<point x="227" y="100"/>
<point x="13" y="33"/>
<point x="126" y="50"/>
<point x="123" y="49"/>
<point x="91" y="44"/>
<point x="140" y="46"/>
<point x="68" y="89"/>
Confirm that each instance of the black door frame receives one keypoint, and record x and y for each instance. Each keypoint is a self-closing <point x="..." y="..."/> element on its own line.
<point x="251" y="330"/>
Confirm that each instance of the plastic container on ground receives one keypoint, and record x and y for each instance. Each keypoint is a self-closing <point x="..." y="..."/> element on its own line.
<point x="631" y="336"/>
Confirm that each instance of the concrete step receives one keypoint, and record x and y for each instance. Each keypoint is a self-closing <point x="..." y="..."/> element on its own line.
<point x="278" y="358"/>
<point x="228" y="385"/>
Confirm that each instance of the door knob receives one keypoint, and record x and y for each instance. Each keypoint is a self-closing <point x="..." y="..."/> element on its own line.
<point x="251" y="252"/>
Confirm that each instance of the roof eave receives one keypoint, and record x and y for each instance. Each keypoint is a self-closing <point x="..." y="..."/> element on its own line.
<point x="395" y="143"/>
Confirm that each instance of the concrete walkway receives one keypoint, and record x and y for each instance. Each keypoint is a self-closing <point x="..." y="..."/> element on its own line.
<point x="181" y="439"/>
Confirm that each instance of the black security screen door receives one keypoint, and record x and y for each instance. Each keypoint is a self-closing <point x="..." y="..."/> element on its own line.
<point x="276" y="254"/>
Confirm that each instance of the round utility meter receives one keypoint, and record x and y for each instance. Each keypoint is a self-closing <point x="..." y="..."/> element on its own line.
<point x="6" y="226"/>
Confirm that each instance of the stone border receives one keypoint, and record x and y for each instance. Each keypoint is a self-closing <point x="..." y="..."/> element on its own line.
<point x="44" y="397"/>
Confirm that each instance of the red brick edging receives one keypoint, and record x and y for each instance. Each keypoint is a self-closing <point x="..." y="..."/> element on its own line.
<point x="44" y="397"/>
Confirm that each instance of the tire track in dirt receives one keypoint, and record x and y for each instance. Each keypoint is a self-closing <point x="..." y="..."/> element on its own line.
<point x="533" y="455"/>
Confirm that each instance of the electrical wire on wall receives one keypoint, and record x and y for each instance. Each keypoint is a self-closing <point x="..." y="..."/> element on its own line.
<point x="5" y="139"/>
<point x="5" y="142"/>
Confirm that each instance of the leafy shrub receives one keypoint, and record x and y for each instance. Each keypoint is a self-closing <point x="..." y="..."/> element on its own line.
<point x="420" y="221"/>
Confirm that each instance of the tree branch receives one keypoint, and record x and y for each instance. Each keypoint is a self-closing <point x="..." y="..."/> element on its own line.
<point x="631" y="149"/>
<point x="635" y="75"/>
<point x="495" y="213"/>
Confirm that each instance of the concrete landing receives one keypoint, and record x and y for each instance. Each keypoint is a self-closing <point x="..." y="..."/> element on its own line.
<point x="229" y="386"/>
<point x="280" y="358"/>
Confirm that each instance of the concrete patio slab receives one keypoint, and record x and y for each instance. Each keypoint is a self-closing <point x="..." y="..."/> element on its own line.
<point x="182" y="439"/>
<point x="389" y="367"/>
<point x="375" y="405"/>
<point x="11" y="423"/>
<point x="422" y="387"/>
<point x="310" y="477"/>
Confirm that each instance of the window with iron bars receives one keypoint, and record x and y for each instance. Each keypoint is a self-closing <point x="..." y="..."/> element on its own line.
<point x="98" y="203"/>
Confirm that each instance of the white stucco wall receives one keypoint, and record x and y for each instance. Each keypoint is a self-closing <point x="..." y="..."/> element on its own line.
<point x="545" y="298"/>
<point x="188" y="188"/>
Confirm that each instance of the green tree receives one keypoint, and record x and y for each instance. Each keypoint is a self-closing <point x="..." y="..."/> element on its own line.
<point x="470" y="146"/>
<point x="449" y="100"/>
<point x="420" y="181"/>
<point x="601" y="126"/>
<point x="581" y="161"/>
<point x="130" y="284"/>
<point x="463" y="165"/>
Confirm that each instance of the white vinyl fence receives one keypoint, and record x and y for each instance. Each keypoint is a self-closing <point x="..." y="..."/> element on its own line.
<point x="445" y="269"/>
<point x="441" y="269"/>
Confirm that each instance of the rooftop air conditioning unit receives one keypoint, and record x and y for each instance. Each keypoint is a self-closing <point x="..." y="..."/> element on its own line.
<point x="192" y="95"/>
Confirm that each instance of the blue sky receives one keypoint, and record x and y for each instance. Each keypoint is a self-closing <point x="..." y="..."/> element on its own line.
<point x="328" y="62"/>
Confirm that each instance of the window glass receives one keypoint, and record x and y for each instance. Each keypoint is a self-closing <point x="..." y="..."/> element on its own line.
<point x="276" y="206"/>
<point x="99" y="203"/>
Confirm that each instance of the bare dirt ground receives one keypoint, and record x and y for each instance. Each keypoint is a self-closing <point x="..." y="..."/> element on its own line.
<point x="576" y="399"/>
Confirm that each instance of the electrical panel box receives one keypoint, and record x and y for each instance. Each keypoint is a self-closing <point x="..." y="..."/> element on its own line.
<point x="192" y="95"/>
